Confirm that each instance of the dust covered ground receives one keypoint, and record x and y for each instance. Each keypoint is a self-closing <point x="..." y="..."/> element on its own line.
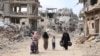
<point x="22" y="48"/>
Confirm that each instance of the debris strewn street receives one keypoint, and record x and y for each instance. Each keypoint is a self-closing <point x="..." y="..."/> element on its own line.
<point x="24" y="49"/>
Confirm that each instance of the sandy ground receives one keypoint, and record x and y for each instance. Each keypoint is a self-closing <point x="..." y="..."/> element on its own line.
<point x="24" y="49"/>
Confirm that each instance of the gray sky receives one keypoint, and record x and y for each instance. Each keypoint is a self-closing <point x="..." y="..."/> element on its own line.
<point x="61" y="4"/>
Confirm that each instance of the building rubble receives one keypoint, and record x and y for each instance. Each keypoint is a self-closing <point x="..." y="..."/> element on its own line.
<point x="9" y="34"/>
<point x="15" y="24"/>
<point x="58" y="19"/>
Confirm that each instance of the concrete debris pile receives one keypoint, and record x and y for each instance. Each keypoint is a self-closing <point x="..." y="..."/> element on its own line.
<point x="97" y="39"/>
<point x="25" y="31"/>
<point x="9" y="36"/>
<point x="12" y="28"/>
<point x="90" y="49"/>
<point x="89" y="38"/>
<point x="82" y="39"/>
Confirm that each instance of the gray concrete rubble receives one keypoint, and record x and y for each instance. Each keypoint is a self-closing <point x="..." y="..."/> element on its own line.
<point x="9" y="35"/>
<point x="58" y="19"/>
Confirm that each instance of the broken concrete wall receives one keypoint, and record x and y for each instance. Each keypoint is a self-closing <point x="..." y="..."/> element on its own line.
<point x="24" y="21"/>
<point x="1" y="18"/>
<point x="91" y="26"/>
<point x="6" y="9"/>
<point x="7" y="20"/>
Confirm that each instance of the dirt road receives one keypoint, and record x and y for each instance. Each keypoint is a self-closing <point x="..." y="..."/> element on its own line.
<point x="24" y="49"/>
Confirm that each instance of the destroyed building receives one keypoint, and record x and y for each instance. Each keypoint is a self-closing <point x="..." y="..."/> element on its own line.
<point x="91" y="15"/>
<point x="48" y="18"/>
<point x="67" y="19"/>
<point x="20" y="12"/>
<point x="59" y="19"/>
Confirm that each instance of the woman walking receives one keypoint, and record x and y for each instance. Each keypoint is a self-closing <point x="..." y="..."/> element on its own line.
<point x="34" y="45"/>
<point x="65" y="39"/>
<point x="45" y="38"/>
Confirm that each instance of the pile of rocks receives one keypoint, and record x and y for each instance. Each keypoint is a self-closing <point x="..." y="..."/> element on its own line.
<point x="82" y="39"/>
<point x="90" y="49"/>
<point x="7" y="37"/>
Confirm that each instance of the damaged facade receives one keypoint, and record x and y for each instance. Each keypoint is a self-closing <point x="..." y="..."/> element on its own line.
<point x="91" y="15"/>
<point x="20" y="12"/>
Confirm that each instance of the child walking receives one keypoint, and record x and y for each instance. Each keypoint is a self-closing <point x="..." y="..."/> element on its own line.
<point x="53" y="43"/>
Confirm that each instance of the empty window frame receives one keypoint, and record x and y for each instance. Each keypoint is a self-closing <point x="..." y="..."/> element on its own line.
<point x="93" y="2"/>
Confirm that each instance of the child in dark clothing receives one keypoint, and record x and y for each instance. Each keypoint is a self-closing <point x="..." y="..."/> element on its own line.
<point x="53" y="43"/>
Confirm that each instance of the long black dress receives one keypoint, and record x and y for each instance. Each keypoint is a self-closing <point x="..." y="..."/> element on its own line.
<point x="65" y="39"/>
<point x="45" y="37"/>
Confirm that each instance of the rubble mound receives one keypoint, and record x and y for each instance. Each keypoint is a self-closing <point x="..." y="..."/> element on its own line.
<point x="82" y="39"/>
<point x="8" y="36"/>
<point x="88" y="38"/>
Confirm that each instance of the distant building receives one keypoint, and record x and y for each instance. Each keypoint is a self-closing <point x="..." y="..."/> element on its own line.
<point x="48" y="18"/>
<point x="58" y="19"/>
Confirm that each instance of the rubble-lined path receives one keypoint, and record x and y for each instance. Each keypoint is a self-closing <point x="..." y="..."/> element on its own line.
<point x="24" y="49"/>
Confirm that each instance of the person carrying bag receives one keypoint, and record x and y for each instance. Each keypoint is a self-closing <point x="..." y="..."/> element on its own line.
<point x="65" y="40"/>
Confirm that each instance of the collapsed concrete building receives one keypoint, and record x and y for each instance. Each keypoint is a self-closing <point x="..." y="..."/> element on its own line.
<point x="91" y="15"/>
<point x="67" y="19"/>
<point x="48" y="17"/>
<point x="59" y="19"/>
<point x="20" y="12"/>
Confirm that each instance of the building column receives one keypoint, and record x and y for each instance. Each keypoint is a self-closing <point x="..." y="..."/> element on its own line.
<point x="15" y="9"/>
<point x="19" y="8"/>
<point x="11" y="9"/>
<point x="85" y="27"/>
<point x="1" y="18"/>
<point x="99" y="26"/>
<point x="35" y="24"/>
<point x="29" y="10"/>
<point x="46" y="14"/>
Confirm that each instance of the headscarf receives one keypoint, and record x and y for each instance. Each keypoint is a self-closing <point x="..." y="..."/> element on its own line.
<point x="35" y="36"/>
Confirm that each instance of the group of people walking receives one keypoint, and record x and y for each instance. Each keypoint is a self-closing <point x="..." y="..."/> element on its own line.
<point x="35" y="38"/>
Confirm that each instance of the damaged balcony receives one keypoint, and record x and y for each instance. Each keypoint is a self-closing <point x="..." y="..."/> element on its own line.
<point x="25" y="1"/>
<point x="22" y="10"/>
<point x="93" y="8"/>
<point x="25" y="15"/>
<point x="94" y="5"/>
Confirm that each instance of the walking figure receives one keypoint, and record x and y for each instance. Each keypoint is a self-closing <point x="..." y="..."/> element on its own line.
<point x="45" y="38"/>
<point x="34" y="45"/>
<point x="65" y="39"/>
<point x="53" y="43"/>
